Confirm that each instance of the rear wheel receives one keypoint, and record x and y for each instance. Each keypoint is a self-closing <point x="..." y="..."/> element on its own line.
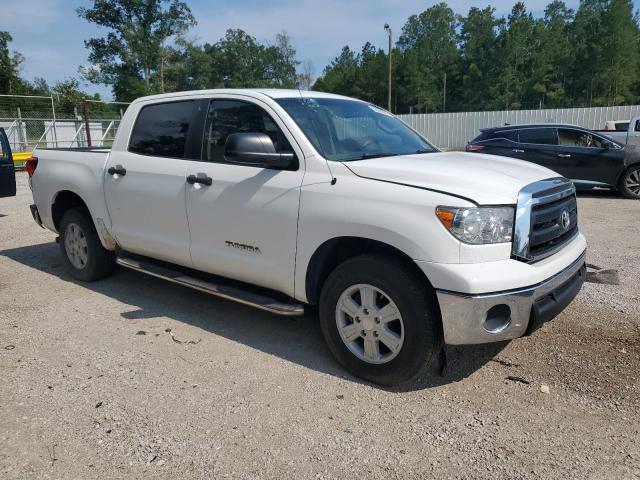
<point x="630" y="183"/>
<point x="379" y="320"/>
<point x="84" y="255"/>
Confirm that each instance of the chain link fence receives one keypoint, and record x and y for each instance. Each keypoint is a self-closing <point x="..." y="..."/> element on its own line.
<point x="48" y="122"/>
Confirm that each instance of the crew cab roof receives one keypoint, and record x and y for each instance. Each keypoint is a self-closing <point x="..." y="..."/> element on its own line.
<point x="268" y="92"/>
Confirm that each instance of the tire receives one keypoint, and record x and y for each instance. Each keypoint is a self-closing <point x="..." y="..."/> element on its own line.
<point x="85" y="257"/>
<point x="630" y="183"/>
<point x="418" y="330"/>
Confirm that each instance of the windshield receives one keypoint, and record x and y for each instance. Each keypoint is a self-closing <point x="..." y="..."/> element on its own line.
<point x="346" y="130"/>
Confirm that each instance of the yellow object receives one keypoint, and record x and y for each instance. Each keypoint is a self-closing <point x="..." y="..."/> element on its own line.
<point x="21" y="157"/>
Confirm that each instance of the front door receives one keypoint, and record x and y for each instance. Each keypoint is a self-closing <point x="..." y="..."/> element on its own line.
<point x="244" y="223"/>
<point x="145" y="187"/>
<point x="582" y="157"/>
<point x="7" y="170"/>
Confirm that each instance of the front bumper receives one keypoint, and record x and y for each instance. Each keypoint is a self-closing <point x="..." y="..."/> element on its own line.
<point x="492" y="317"/>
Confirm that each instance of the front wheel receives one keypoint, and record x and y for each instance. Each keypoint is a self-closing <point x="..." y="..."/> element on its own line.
<point x="630" y="183"/>
<point x="84" y="255"/>
<point x="379" y="320"/>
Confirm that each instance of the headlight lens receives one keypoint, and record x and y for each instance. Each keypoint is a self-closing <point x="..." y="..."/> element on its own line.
<point x="478" y="226"/>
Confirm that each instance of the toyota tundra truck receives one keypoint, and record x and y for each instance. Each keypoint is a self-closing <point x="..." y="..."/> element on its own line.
<point x="282" y="199"/>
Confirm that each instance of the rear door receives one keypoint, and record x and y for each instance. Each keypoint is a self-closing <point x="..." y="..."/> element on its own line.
<point x="145" y="186"/>
<point x="7" y="170"/>
<point x="540" y="145"/>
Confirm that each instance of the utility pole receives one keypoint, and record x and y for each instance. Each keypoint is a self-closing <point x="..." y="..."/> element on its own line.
<point x="388" y="30"/>
<point x="444" y="93"/>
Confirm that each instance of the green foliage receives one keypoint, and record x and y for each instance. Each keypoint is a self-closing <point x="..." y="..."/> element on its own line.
<point x="590" y="57"/>
<point x="237" y="60"/>
<point x="130" y="56"/>
<point x="10" y="62"/>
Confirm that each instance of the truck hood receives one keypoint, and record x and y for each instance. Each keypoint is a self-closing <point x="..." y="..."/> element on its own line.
<point x="485" y="179"/>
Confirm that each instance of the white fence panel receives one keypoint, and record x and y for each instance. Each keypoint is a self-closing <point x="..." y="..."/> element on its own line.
<point x="17" y="134"/>
<point x="72" y="134"/>
<point x="454" y="130"/>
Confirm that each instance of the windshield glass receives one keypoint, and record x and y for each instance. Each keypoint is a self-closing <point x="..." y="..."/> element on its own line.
<point x="346" y="130"/>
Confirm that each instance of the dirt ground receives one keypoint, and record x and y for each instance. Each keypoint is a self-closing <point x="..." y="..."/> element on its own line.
<point x="94" y="386"/>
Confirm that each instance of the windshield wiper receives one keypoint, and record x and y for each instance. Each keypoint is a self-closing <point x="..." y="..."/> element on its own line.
<point x="366" y="156"/>
<point x="424" y="150"/>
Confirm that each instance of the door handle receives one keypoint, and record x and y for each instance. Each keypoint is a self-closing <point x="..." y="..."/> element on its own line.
<point x="517" y="150"/>
<point x="203" y="180"/>
<point x="564" y="155"/>
<point x="117" y="170"/>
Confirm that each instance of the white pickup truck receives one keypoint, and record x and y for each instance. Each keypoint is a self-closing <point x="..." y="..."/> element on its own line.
<point x="280" y="199"/>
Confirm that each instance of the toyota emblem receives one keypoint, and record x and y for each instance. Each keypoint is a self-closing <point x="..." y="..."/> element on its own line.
<point x="565" y="219"/>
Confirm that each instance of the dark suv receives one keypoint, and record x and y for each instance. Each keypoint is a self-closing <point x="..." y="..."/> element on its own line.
<point x="586" y="157"/>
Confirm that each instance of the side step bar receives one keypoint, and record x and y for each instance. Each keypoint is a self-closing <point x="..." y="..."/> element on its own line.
<point x="233" y="293"/>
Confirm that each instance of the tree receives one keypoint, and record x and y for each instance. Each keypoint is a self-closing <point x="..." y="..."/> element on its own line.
<point x="478" y="51"/>
<point x="518" y="44"/>
<point x="430" y="62"/>
<point x="130" y="57"/>
<point x="553" y="71"/>
<point x="281" y="62"/>
<point x="340" y="75"/>
<point x="306" y="77"/>
<point x="10" y="63"/>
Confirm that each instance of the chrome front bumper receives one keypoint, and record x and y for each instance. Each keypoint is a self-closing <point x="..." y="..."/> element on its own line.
<point x="492" y="317"/>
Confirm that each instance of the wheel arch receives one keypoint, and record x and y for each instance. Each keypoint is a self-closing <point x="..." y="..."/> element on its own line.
<point x="336" y="251"/>
<point x="63" y="201"/>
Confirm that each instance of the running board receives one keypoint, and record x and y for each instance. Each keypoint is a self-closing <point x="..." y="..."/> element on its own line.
<point x="228" y="292"/>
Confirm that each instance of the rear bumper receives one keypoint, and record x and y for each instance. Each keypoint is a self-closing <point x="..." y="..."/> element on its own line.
<point x="36" y="215"/>
<point x="492" y="317"/>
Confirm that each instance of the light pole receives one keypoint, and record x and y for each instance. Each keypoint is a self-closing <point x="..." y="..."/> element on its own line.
<point x="388" y="30"/>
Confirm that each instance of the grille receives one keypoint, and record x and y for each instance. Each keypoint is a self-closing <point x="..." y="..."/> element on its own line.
<point x="547" y="219"/>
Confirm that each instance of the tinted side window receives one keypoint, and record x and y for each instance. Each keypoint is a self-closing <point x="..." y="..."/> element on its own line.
<point x="542" y="136"/>
<point x="232" y="116"/>
<point x="508" y="134"/>
<point x="161" y="129"/>
<point x="578" y="138"/>
<point x="638" y="126"/>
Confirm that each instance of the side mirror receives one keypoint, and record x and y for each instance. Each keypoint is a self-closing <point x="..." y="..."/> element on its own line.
<point x="256" y="149"/>
<point x="607" y="145"/>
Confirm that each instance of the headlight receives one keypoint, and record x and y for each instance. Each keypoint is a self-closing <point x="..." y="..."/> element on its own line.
<point x="478" y="226"/>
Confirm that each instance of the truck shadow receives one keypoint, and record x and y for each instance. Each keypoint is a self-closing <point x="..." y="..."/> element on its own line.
<point x="297" y="340"/>
<point x="599" y="193"/>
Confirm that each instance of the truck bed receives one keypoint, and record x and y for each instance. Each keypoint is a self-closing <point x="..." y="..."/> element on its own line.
<point x="78" y="170"/>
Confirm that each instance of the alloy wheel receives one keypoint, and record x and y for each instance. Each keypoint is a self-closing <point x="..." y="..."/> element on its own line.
<point x="370" y="323"/>
<point x="75" y="245"/>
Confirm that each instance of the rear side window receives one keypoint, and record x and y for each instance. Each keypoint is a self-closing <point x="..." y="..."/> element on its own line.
<point x="497" y="135"/>
<point x="541" y="136"/>
<point x="506" y="134"/>
<point x="161" y="129"/>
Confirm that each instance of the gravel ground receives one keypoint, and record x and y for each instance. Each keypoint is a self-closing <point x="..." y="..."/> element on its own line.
<point x="94" y="386"/>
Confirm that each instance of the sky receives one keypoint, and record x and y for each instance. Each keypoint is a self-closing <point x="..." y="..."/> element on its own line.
<point x="51" y="36"/>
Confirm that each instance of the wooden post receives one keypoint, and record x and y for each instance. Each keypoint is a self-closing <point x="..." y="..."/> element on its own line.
<point x="85" y="112"/>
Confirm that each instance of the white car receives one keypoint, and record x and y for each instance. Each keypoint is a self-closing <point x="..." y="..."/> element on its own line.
<point x="280" y="198"/>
